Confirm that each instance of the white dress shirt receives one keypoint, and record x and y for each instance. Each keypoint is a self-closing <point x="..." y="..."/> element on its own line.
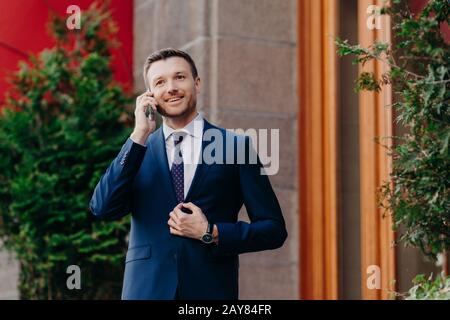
<point x="190" y="146"/>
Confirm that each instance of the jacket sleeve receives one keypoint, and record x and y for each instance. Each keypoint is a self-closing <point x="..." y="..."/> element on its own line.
<point x="112" y="195"/>
<point x="267" y="229"/>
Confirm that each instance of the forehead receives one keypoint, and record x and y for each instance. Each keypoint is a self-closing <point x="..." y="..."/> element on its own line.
<point x="167" y="67"/>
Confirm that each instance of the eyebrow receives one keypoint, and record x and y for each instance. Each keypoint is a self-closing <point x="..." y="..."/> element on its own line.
<point x="176" y="73"/>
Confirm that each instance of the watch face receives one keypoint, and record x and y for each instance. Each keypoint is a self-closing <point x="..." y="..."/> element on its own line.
<point x="207" y="238"/>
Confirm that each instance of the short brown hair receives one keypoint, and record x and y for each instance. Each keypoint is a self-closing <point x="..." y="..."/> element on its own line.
<point x="164" y="54"/>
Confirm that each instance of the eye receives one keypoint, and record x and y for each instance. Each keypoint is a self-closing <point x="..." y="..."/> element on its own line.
<point x="180" y="76"/>
<point x="158" y="83"/>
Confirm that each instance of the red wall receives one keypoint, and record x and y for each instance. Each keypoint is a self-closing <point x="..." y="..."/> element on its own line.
<point x="23" y="30"/>
<point x="418" y="5"/>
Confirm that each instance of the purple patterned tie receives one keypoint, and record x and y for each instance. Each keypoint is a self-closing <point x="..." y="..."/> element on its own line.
<point x="177" y="170"/>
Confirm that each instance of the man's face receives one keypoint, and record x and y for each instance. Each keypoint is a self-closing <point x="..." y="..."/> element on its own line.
<point x="173" y="86"/>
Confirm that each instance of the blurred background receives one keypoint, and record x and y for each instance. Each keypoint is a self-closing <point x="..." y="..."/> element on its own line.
<point x="268" y="64"/>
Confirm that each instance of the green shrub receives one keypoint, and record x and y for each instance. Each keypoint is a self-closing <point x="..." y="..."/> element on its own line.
<point x="63" y="122"/>
<point x="429" y="289"/>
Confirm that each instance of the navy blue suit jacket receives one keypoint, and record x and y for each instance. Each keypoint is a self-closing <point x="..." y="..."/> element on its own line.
<point x="138" y="181"/>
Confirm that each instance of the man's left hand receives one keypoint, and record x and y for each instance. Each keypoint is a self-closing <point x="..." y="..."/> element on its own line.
<point x="191" y="225"/>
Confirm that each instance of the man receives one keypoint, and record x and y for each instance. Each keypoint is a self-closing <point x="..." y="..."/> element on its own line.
<point x="185" y="238"/>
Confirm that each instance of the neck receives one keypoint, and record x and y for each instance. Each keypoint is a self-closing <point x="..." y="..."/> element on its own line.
<point x="178" y="123"/>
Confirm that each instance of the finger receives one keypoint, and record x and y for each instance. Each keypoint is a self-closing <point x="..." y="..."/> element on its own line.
<point x="191" y="206"/>
<point x="181" y="214"/>
<point x="174" y="217"/>
<point x="182" y="209"/>
<point x="143" y="95"/>
<point x="173" y="224"/>
<point x="175" y="232"/>
<point x="178" y="213"/>
<point x="141" y="104"/>
<point x="148" y="101"/>
<point x="145" y="104"/>
<point x="178" y="208"/>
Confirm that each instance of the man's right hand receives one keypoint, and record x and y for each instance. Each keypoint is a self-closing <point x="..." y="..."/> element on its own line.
<point x="143" y="124"/>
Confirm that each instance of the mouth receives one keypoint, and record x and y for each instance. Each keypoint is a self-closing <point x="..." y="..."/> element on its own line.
<point x="174" y="100"/>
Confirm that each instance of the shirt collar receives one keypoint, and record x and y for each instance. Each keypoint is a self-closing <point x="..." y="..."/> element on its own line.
<point x="193" y="128"/>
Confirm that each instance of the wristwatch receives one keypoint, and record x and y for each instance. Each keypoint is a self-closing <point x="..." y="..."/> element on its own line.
<point x="208" y="237"/>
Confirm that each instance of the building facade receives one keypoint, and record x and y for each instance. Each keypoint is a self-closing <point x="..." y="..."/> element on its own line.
<point x="272" y="64"/>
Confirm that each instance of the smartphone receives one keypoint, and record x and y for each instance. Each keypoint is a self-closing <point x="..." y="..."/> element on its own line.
<point x="150" y="113"/>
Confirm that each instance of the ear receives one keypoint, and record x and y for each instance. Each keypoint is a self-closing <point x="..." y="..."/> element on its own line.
<point x="197" y="84"/>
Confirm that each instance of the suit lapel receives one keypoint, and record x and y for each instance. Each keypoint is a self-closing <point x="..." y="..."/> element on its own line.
<point x="157" y="147"/>
<point x="202" y="168"/>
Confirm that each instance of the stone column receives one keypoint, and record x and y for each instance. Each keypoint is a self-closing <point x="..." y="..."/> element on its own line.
<point x="246" y="54"/>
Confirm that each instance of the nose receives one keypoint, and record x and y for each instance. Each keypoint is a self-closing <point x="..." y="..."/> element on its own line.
<point x="172" y="89"/>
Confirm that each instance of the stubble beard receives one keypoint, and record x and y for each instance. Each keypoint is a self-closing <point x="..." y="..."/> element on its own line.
<point x="184" y="113"/>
